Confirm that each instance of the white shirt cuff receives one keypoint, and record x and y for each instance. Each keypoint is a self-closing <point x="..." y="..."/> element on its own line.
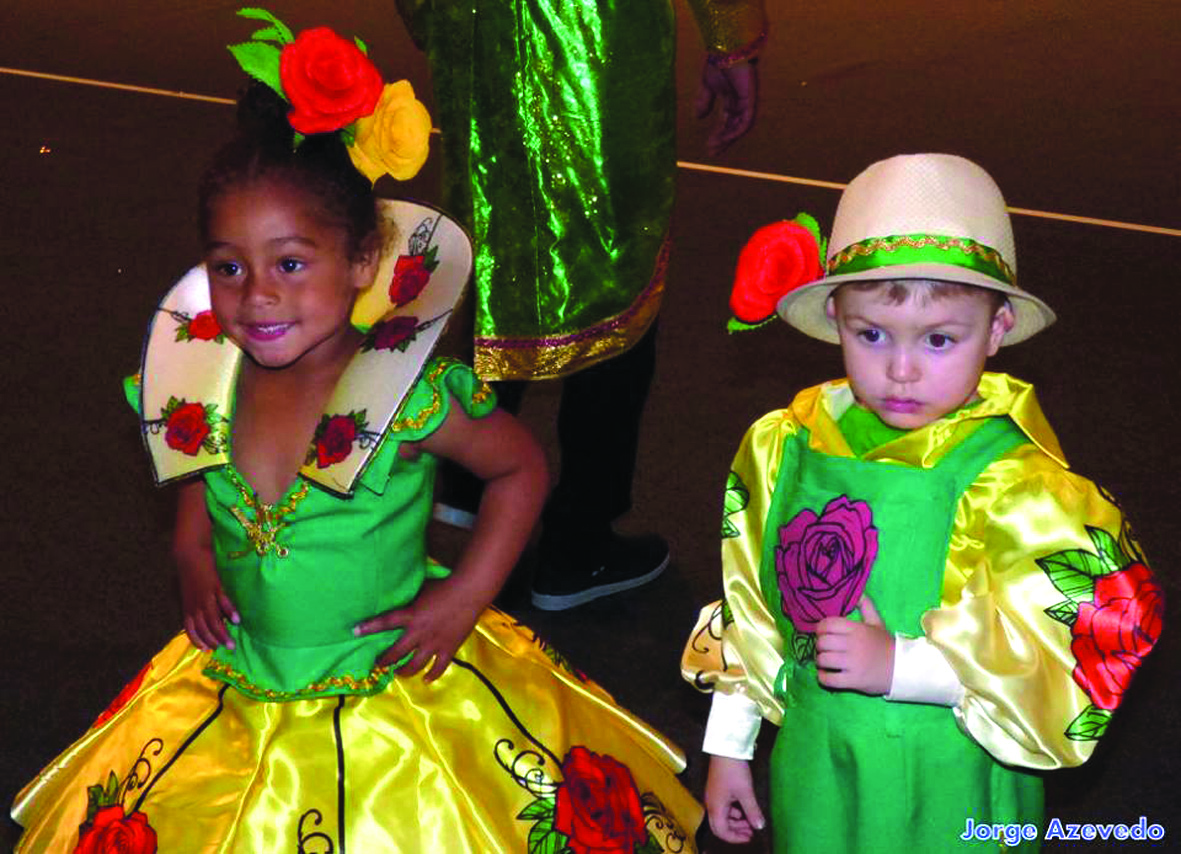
<point x="922" y="674"/>
<point x="733" y="726"/>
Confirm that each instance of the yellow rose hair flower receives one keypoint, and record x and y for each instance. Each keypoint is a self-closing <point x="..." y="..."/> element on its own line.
<point x="394" y="139"/>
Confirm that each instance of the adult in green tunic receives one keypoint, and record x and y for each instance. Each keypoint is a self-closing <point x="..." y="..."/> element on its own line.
<point x="559" y="127"/>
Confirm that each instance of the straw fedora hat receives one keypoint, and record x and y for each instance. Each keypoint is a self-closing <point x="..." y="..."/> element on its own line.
<point x="919" y="216"/>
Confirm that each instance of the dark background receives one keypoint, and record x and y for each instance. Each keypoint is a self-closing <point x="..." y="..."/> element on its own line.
<point x="1072" y="105"/>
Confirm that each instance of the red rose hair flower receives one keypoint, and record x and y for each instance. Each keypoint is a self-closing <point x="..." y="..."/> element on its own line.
<point x="328" y="80"/>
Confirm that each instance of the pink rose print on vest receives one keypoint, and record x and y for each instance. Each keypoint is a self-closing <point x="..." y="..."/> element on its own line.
<point x="823" y="562"/>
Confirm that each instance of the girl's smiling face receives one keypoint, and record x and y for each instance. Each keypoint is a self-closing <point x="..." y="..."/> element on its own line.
<point x="915" y="361"/>
<point x="281" y="280"/>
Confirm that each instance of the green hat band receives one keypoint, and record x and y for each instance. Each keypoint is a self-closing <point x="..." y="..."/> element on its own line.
<point x="896" y="250"/>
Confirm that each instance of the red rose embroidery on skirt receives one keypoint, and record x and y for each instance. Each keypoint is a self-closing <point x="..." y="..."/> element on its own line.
<point x="124" y="696"/>
<point x="598" y="806"/>
<point x="335" y="442"/>
<point x="410" y="277"/>
<point x="187" y="428"/>
<point x="114" y="833"/>
<point x="823" y="562"/>
<point x="1115" y="631"/>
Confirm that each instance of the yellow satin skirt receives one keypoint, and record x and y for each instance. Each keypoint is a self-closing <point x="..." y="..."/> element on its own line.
<point x="510" y="750"/>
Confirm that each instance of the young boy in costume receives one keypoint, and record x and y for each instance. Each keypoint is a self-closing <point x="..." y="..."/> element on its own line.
<point x="918" y="591"/>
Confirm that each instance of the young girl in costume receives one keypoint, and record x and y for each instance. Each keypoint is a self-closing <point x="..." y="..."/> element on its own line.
<point x="918" y="592"/>
<point x="290" y="378"/>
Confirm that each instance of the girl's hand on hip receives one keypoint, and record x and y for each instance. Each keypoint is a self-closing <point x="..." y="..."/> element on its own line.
<point x="855" y="656"/>
<point x="434" y="626"/>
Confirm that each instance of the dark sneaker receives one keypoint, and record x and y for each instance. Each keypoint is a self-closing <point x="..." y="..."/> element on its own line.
<point x="629" y="562"/>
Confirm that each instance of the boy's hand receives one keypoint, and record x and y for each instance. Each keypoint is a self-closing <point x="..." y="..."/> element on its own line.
<point x="734" y="814"/>
<point x="855" y="656"/>
<point x="206" y="607"/>
<point x="434" y="626"/>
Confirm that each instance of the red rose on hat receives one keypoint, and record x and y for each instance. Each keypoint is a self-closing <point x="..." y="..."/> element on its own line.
<point x="204" y="326"/>
<point x="335" y="442"/>
<point x="1114" y="632"/>
<point x="778" y="258"/>
<point x="598" y="807"/>
<point x="328" y="80"/>
<point x="187" y="428"/>
<point x="410" y="277"/>
<point x="112" y="832"/>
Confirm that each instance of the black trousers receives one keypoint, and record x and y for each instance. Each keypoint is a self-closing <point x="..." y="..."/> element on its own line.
<point x="598" y="435"/>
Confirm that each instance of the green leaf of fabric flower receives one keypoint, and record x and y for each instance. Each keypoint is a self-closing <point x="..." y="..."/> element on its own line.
<point x="736" y="325"/>
<point x="1064" y="612"/>
<point x="650" y="846"/>
<point x="261" y="61"/>
<point x="809" y="222"/>
<point x="253" y="12"/>
<point x="803" y="647"/>
<point x="361" y="46"/>
<point x="736" y="498"/>
<point x="1088" y="726"/>
<point x="1109" y="549"/>
<point x="1072" y="572"/>
<point x="539" y="809"/>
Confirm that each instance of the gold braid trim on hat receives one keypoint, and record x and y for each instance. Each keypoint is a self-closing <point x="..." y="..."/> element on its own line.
<point x="910" y="241"/>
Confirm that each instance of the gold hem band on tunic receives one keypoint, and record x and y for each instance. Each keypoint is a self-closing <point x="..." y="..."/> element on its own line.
<point x="556" y="356"/>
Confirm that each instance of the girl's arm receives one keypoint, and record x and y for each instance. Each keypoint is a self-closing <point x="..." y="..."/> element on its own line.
<point x="500" y="451"/>
<point x="205" y="604"/>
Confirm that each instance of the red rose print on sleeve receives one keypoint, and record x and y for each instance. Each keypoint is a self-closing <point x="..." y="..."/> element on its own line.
<point x="1115" y="631"/>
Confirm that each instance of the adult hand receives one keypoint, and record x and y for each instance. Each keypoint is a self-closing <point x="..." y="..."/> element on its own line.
<point x="855" y="656"/>
<point x="737" y="89"/>
<point x="734" y="814"/>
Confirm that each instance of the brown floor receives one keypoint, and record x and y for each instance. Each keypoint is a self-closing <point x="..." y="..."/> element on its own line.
<point x="1071" y="104"/>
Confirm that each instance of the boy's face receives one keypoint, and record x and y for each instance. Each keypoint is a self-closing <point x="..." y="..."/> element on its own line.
<point x="914" y="362"/>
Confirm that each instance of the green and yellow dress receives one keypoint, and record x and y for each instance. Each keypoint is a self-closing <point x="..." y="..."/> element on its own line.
<point x="295" y="740"/>
<point x="559" y="126"/>
<point x="970" y="535"/>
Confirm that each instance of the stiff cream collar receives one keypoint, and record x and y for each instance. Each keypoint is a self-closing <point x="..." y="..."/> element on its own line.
<point x="189" y="369"/>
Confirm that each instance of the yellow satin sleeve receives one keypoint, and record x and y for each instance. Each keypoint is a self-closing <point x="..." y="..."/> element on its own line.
<point x="1014" y="662"/>
<point x="728" y="26"/>
<point x="737" y="648"/>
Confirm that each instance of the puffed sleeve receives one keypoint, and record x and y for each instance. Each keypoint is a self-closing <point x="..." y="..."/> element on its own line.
<point x="1047" y="611"/>
<point x="735" y="647"/>
<point x="444" y="383"/>
<point x="733" y="30"/>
